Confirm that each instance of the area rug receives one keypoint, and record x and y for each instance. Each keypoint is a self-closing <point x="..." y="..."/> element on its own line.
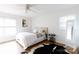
<point x="50" y="49"/>
<point x="47" y="49"/>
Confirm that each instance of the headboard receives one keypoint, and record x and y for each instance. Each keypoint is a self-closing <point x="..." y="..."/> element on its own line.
<point x="42" y="29"/>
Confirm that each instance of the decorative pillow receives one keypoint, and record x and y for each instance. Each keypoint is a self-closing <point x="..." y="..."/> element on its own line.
<point x="39" y="35"/>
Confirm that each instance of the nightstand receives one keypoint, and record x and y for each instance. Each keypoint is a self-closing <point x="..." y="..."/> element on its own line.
<point x="51" y="38"/>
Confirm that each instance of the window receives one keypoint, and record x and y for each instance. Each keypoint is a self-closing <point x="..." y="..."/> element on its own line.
<point x="69" y="29"/>
<point x="7" y="27"/>
<point x="63" y="21"/>
<point x="66" y="23"/>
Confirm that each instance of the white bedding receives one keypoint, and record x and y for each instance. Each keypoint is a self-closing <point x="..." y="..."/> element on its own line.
<point x="27" y="39"/>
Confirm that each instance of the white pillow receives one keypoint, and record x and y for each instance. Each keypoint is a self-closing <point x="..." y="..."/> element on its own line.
<point x="35" y="31"/>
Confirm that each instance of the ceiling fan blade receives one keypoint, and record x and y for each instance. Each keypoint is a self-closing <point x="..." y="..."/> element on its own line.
<point x="34" y="9"/>
<point x="31" y="7"/>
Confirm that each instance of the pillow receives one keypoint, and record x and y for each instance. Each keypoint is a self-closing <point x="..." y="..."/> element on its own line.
<point x="39" y="35"/>
<point x="35" y="31"/>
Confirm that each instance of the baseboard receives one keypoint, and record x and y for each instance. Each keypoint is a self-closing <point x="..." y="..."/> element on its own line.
<point x="7" y="41"/>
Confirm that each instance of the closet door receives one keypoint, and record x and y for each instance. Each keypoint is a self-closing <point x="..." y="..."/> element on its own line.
<point x="69" y="29"/>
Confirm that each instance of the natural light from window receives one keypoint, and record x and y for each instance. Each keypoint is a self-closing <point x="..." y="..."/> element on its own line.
<point x="7" y="27"/>
<point x="66" y="23"/>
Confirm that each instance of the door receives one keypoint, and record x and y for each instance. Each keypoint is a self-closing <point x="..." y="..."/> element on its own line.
<point x="69" y="29"/>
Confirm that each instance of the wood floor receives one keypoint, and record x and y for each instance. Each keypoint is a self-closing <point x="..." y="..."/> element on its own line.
<point x="41" y="43"/>
<point x="35" y="45"/>
<point x="46" y="42"/>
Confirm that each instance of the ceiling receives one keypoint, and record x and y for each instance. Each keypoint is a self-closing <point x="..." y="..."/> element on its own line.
<point x="20" y="9"/>
<point x="54" y="7"/>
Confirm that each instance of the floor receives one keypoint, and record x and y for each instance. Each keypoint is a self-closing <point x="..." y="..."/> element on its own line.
<point x="13" y="47"/>
<point x="10" y="48"/>
<point x="32" y="50"/>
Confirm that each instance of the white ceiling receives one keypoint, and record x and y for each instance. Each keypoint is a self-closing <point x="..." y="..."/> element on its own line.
<point x="15" y="9"/>
<point x="20" y="9"/>
<point x="54" y="7"/>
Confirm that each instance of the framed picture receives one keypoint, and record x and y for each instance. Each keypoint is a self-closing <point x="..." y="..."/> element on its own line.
<point x="24" y="23"/>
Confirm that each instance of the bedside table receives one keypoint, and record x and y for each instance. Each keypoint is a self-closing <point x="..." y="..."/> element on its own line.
<point x="51" y="38"/>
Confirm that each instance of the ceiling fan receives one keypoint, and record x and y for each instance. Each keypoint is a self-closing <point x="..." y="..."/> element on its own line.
<point x="31" y="8"/>
<point x="28" y="6"/>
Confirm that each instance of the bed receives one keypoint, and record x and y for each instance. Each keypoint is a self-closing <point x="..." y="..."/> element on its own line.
<point x="26" y="39"/>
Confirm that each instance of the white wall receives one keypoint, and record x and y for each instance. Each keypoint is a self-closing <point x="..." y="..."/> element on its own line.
<point x="19" y="24"/>
<point x="51" y="20"/>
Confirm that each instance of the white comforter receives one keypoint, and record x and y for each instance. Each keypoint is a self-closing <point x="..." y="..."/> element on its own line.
<point x="27" y="39"/>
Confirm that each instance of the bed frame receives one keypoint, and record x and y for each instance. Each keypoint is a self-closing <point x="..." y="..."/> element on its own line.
<point x="43" y="30"/>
